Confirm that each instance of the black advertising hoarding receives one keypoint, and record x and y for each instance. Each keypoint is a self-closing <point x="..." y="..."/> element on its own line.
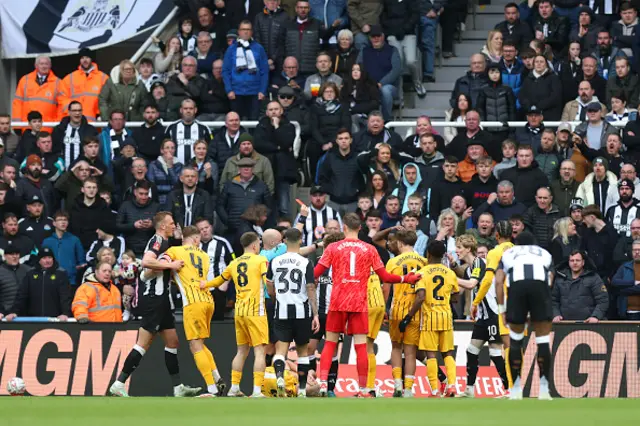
<point x="598" y="360"/>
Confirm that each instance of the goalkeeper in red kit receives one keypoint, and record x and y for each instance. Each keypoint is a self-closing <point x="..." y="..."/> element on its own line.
<point x="351" y="262"/>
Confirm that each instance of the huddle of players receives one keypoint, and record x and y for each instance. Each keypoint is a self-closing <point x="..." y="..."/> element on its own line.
<point x="357" y="307"/>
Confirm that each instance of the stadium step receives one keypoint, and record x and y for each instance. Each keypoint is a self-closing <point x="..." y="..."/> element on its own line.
<point x="492" y="9"/>
<point x="466" y="49"/>
<point x="484" y="21"/>
<point x="447" y="75"/>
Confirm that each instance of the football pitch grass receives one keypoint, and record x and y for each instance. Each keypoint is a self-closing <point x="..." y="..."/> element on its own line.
<point x="97" y="411"/>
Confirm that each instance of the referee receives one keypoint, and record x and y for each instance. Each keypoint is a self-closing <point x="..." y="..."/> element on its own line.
<point x="526" y="267"/>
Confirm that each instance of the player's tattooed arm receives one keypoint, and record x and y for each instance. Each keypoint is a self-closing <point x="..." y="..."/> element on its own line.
<point x="271" y="289"/>
<point x="311" y="293"/>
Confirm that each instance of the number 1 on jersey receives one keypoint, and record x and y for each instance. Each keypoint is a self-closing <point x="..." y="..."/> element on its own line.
<point x="352" y="264"/>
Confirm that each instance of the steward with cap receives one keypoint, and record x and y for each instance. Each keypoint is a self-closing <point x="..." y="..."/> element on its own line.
<point x="12" y="273"/>
<point x="84" y="85"/>
<point x="621" y="214"/>
<point x="35" y="225"/>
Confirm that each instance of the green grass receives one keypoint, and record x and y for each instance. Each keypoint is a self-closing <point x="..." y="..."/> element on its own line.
<point x="72" y="411"/>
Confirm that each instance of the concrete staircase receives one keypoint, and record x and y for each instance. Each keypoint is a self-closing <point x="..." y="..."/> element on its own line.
<point x="437" y="100"/>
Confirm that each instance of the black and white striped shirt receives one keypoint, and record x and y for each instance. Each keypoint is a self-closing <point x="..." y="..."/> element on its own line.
<point x="220" y="255"/>
<point x="185" y="135"/>
<point x="316" y="221"/>
<point x="526" y="263"/>
<point x="621" y="217"/>
<point x="159" y="282"/>
<point x="72" y="144"/>
<point x="117" y="244"/>
<point x="323" y="292"/>
<point x="290" y="274"/>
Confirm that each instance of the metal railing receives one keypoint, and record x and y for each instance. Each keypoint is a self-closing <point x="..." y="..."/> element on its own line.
<point x="145" y="46"/>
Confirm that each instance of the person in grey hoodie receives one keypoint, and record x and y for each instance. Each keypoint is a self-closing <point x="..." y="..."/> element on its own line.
<point x="508" y="158"/>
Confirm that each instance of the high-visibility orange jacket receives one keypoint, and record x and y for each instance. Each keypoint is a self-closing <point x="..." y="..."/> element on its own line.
<point x="84" y="88"/>
<point x="97" y="302"/>
<point x="30" y="96"/>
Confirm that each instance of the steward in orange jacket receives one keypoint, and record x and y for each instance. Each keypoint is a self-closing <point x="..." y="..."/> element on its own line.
<point x="98" y="299"/>
<point x="40" y="91"/>
<point x="84" y="85"/>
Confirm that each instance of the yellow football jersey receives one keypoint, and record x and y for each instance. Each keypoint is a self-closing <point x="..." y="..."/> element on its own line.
<point x="374" y="292"/>
<point x="196" y="266"/>
<point x="248" y="273"/>
<point x="493" y="261"/>
<point x="439" y="282"/>
<point x="270" y="387"/>
<point x="404" y="294"/>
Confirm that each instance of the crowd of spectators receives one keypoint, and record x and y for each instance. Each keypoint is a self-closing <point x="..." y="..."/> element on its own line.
<point x="77" y="201"/>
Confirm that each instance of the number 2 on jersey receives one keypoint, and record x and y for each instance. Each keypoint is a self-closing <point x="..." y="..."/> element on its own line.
<point x="439" y="281"/>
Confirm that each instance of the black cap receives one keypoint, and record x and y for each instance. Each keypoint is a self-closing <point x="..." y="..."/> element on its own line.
<point x="286" y="91"/>
<point x="232" y="33"/>
<point x="376" y="30"/>
<point x="534" y="110"/>
<point x="85" y="51"/>
<point x="156" y="84"/>
<point x="594" y="107"/>
<point x="603" y="161"/>
<point x="576" y="204"/>
<point x="626" y="183"/>
<point x="316" y="189"/>
<point x="12" y="249"/>
<point x="35" y="199"/>
<point x="128" y="141"/>
<point x="45" y="252"/>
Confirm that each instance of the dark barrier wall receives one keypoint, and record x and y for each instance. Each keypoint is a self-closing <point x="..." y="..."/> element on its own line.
<point x="71" y="359"/>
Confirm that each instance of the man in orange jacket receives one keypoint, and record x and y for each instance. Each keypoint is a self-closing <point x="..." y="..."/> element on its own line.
<point x="41" y="91"/>
<point x="84" y="85"/>
<point x="98" y="299"/>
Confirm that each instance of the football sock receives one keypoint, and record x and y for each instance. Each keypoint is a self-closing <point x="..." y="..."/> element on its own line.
<point x="131" y="363"/>
<point x="268" y="359"/>
<point x="325" y="359"/>
<point x="371" y="374"/>
<point x="278" y="365"/>
<point x="212" y="362"/>
<point x="303" y="372"/>
<point x="515" y="354"/>
<point x="258" y="379"/>
<point x="450" y="366"/>
<point x="313" y="363"/>
<point x="472" y="365"/>
<point x="236" y="376"/>
<point x="396" y="373"/>
<point x="544" y="356"/>
<point x="498" y="361"/>
<point x="432" y="373"/>
<point x="333" y="374"/>
<point x="204" y="367"/>
<point x="507" y="368"/>
<point x="362" y="363"/>
<point x="171" y="361"/>
<point x="408" y="382"/>
<point x="441" y="376"/>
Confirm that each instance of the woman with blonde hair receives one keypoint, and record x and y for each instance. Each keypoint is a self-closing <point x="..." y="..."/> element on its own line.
<point x="167" y="61"/>
<point x="382" y="158"/>
<point x="123" y="92"/>
<point x="447" y="224"/>
<point x="492" y="50"/>
<point x="565" y="240"/>
<point x="206" y="167"/>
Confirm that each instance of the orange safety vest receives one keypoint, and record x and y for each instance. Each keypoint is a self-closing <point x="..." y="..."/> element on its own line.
<point x="94" y="301"/>
<point x="30" y="96"/>
<point x="84" y="88"/>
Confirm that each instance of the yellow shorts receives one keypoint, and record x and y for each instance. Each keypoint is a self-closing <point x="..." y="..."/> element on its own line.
<point x="376" y="318"/>
<point x="504" y="329"/>
<point x="436" y="341"/>
<point x="411" y="335"/>
<point x="197" y="320"/>
<point x="252" y="331"/>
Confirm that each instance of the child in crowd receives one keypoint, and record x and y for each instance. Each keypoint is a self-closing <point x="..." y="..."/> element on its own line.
<point x="365" y="204"/>
<point x="508" y="157"/>
<point x="186" y="36"/>
<point x="126" y="275"/>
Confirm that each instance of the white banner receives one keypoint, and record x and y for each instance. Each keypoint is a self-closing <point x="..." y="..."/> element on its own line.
<point x="62" y="27"/>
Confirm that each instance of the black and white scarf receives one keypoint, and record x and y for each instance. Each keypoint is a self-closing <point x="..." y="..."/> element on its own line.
<point x="244" y="57"/>
<point x="116" y="141"/>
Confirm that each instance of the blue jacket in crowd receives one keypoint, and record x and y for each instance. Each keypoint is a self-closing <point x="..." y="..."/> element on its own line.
<point x="243" y="82"/>
<point x="327" y="11"/>
<point x="67" y="251"/>
<point x="512" y="77"/>
<point x="105" y="147"/>
<point x="625" y="283"/>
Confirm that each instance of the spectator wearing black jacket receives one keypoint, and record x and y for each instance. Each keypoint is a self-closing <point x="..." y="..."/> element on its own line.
<point x="622" y="252"/>
<point x="35" y="225"/>
<point x="269" y="28"/>
<point x="481" y="185"/>
<point x="570" y="72"/>
<point x="550" y="27"/>
<point x="12" y="273"/>
<point x="542" y="88"/>
<point x="274" y="138"/>
<point x="472" y="82"/>
<point x="412" y="143"/>
<point x="136" y="176"/>
<point x="33" y="183"/>
<point x="375" y="133"/>
<point x="599" y="241"/>
<point x="344" y="55"/>
<point x="360" y="94"/>
<point x="526" y="177"/>
<point x="214" y="103"/>
<point x="90" y="213"/>
<point x="587" y="31"/>
<point x="294" y="109"/>
<point x="623" y="32"/>
<point x="67" y="136"/>
<point x="446" y="188"/>
<point x="225" y="141"/>
<point x="188" y="202"/>
<point x="11" y="237"/>
<point x="513" y="29"/>
<point x="149" y="136"/>
<point x="44" y="291"/>
<point x="611" y="151"/>
<point x="302" y="36"/>
<point x="564" y="188"/>
<point x="496" y="102"/>
<point x="590" y="74"/>
<point x="531" y="133"/>
<point x="501" y="204"/>
<point x="473" y="134"/>
<point x="540" y="218"/>
<point x="288" y="77"/>
<point x="135" y="218"/>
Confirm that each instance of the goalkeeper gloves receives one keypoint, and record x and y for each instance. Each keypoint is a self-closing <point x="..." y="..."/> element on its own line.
<point x="404" y="323"/>
<point x="411" y="278"/>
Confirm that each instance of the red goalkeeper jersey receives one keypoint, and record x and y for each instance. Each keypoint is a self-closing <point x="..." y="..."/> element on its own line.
<point x="351" y="262"/>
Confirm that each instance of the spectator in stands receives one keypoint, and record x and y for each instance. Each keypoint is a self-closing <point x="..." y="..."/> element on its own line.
<point x="37" y="298"/>
<point x="225" y="141"/>
<point x="69" y="134"/>
<point x="98" y="299"/>
<point x="446" y="188"/>
<point x="70" y="183"/>
<point x="400" y="20"/>
<point x="501" y="204"/>
<point x="626" y="285"/>
<point x="428" y="13"/>
<point x="508" y="157"/>
<point x="185" y="34"/>
<point x="578" y="293"/>
<point x="344" y="55"/>
<point x="65" y="246"/>
<point x="382" y="62"/>
<point x="270" y="29"/>
<point x="623" y="250"/>
<point x="135" y="216"/>
<point x="149" y="134"/>
<point x="550" y="27"/>
<point x="411" y="144"/>
<point x="34" y="224"/>
<point x="378" y="186"/>
<point x="625" y="210"/>
<point x="137" y="176"/>
<point x="52" y="163"/>
<point x="288" y="77"/>
<point x="595" y="186"/>
<point x="5" y="159"/>
<point x="472" y="82"/>
<point x="34" y="183"/>
<point x="261" y="169"/>
<point x="205" y="54"/>
<point x="159" y="98"/>
<point x="167" y="61"/>
<point x="526" y="176"/>
<point x="606" y="55"/>
<point x="467" y="167"/>
<point x="599" y="240"/>
<point x="623" y="32"/>
<point x="165" y="171"/>
<point x="187" y="131"/>
<point x="245" y="71"/>
<point x="627" y="171"/>
<point x="382" y="158"/>
<point x="541" y="88"/>
<point x="7" y="201"/>
<point x="565" y="240"/>
<point x="145" y="73"/>
<point x="187" y="202"/>
<point x="446" y="225"/>
<point x="539" y="218"/>
<point x="548" y="158"/>
<point x="207" y="169"/>
<point x="360" y="94"/>
<point x="302" y="38"/>
<point x="41" y="91"/>
<point x="90" y="213"/>
<point x="214" y="103"/>
<point x="363" y="16"/>
<point x="239" y="193"/>
<point x="482" y="182"/>
<point x="485" y="232"/>
<point x="391" y="214"/>
<point x="576" y="110"/>
<point x="123" y="92"/>
<point x="294" y="109"/>
<point x="410" y="184"/>
<point x="252" y="220"/>
<point x="12" y="274"/>
<point x="458" y="114"/>
<point x="113" y="138"/>
<point x="8" y="175"/>
<point x="513" y="29"/>
<point x="567" y="141"/>
<point x="316" y="218"/>
<point x="106" y="247"/>
<point x="217" y="25"/>
<point x="492" y="50"/>
<point x="473" y="134"/>
<point x="511" y="67"/>
<point x="610" y="150"/>
<point x="84" y="85"/>
<point x="564" y="188"/>
<point x="185" y="85"/>
<point x="334" y="17"/>
<point x="590" y="74"/>
<point x="7" y="137"/>
<point x="570" y="72"/>
<point x="587" y="32"/>
<point x="339" y="175"/>
<point x="375" y="133"/>
<point x="624" y="81"/>
<point x="324" y="75"/>
<point x="12" y="237"/>
<point x="496" y="102"/>
<point x="531" y="134"/>
<point x="620" y="114"/>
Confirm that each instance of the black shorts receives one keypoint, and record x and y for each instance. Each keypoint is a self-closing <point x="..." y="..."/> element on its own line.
<point x="323" y="323"/>
<point x="529" y="297"/>
<point x="271" y="313"/>
<point x="292" y="330"/>
<point x="156" y="314"/>
<point x="487" y="330"/>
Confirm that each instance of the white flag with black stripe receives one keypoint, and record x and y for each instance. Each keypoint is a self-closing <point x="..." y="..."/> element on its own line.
<point x="62" y="27"/>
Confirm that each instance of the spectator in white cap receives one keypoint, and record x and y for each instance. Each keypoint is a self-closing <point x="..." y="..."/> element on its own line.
<point x="595" y="186"/>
